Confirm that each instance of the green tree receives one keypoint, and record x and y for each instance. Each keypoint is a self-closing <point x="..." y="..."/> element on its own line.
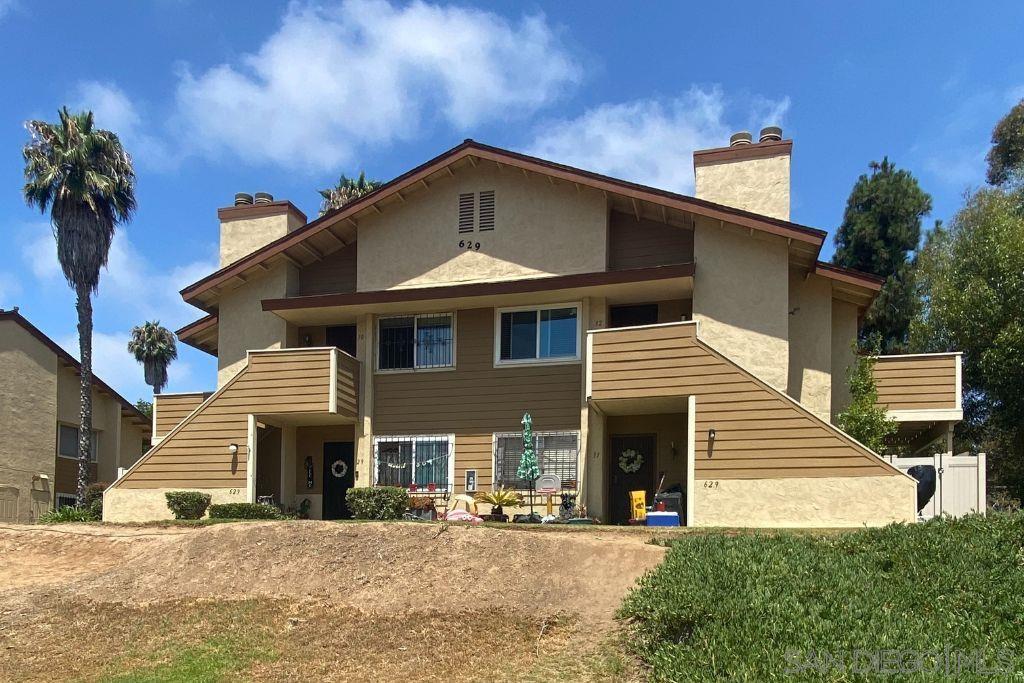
<point x="145" y="407"/>
<point x="154" y="347"/>
<point x="85" y="178"/>
<point x="881" y="228"/>
<point x="972" y="287"/>
<point x="864" y="419"/>
<point x="347" y="190"/>
<point x="1006" y="158"/>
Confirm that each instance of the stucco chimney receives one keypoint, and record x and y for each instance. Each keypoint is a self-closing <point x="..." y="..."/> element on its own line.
<point x="747" y="175"/>
<point x="251" y="224"/>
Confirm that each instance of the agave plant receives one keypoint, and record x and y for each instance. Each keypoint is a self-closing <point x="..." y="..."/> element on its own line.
<point x="347" y="190"/>
<point x="499" y="498"/>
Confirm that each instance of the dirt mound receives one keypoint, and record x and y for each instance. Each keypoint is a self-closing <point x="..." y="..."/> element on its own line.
<point x="372" y="566"/>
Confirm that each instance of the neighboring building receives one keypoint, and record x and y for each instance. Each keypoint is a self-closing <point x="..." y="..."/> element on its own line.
<point x="39" y="421"/>
<point x="654" y="338"/>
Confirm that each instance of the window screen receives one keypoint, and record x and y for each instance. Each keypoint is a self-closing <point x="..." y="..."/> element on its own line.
<point x="557" y="453"/>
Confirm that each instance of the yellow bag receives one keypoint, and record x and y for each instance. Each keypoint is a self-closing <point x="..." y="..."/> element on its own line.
<point x="638" y="503"/>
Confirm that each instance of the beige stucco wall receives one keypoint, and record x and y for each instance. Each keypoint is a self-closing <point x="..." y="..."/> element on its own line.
<point x="758" y="185"/>
<point x="741" y="297"/>
<point x="844" y="334"/>
<point x="805" y="502"/>
<point x="810" y="342"/>
<point x="28" y="433"/>
<point x="241" y="237"/>
<point x="132" y="439"/>
<point x="106" y="419"/>
<point x="147" y="505"/>
<point x="540" y="229"/>
<point x="244" y="325"/>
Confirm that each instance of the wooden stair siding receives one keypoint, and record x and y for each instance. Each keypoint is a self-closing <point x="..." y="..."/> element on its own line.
<point x="170" y="409"/>
<point x="918" y="382"/>
<point x="760" y="432"/>
<point x="195" y="454"/>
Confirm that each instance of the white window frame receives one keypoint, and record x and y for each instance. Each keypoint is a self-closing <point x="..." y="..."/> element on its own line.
<point x="561" y="360"/>
<point x="71" y="500"/>
<point x="414" y="438"/>
<point x="93" y="457"/>
<point x="415" y="347"/>
<point x="496" y="473"/>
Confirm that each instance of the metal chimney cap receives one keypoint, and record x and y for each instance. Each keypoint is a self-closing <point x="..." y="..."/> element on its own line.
<point x="741" y="138"/>
<point x="771" y="134"/>
<point x="243" y="199"/>
<point x="264" y="198"/>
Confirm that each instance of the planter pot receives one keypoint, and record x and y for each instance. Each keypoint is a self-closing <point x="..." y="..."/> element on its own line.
<point x="497" y="518"/>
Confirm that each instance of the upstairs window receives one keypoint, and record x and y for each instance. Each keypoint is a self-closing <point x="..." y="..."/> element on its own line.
<point x="416" y="342"/>
<point x="67" y="443"/>
<point x="557" y="453"/>
<point x="538" y="334"/>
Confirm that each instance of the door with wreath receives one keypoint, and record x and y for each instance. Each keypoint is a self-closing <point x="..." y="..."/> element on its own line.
<point x="339" y="477"/>
<point x="630" y="468"/>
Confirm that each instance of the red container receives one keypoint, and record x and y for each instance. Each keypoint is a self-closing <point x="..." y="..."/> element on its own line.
<point x="660" y="507"/>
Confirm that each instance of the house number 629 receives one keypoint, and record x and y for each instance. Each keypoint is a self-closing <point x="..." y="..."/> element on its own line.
<point x="469" y="246"/>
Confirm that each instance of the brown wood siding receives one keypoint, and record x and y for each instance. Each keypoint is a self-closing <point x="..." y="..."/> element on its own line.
<point x="65" y="475"/>
<point x="917" y="382"/>
<point x="760" y="434"/>
<point x="347" y="385"/>
<point x="646" y="243"/>
<point x="476" y="399"/>
<point x="196" y="454"/>
<point x="173" y="408"/>
<point x="333" y="274"/>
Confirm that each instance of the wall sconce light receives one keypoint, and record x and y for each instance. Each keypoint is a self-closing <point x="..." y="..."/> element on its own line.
<point x="233" y="449"/>
<point x="307" y="340"/>
<point x="711" y="442"/>
<point x="711" y="435"/>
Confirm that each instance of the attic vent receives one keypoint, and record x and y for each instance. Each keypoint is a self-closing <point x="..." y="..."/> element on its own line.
<point x="466" y="212"/>
<point x="487" y="210"/>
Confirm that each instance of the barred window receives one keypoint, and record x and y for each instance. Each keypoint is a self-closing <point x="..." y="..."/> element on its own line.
<point x="557" y="453"/>
<point x="66" y="500"/>
<point x="416" y="341"/>
<point x="414" y="461"/>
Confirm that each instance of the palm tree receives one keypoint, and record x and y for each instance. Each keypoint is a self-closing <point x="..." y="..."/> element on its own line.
<point x="347" y="190"/>
<point x="154" y="347"/>
<point x="85" y="177"/>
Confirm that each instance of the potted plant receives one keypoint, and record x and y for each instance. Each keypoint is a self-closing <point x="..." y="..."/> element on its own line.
<point x="422" y="507"/>
<point x="498" y="499"/>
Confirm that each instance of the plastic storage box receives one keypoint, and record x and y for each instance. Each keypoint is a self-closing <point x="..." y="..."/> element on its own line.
<point x="662" y="519"/>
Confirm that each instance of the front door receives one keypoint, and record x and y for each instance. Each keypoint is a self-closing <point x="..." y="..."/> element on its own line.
<point x="339" y="477"/>
<point x="630" y="468"/>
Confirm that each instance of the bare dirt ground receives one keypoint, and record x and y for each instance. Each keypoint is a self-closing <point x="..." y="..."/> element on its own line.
<point x="291" y="600"/>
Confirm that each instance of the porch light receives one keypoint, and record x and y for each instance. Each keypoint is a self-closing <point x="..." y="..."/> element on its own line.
<point x="233" y="449"/>
<point x="711" y="434"/>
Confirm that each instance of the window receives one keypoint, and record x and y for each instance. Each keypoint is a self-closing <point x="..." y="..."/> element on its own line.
<point x="423" y="462"/>
<point x="557" y="453"/>
<point x="416" y="342"/>
<point x="67" y="442"/>
<point x="66" y="500"/>
<point x="542" y="334"/>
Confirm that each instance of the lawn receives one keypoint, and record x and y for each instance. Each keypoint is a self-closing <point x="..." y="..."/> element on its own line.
<point x="920" y="601"/>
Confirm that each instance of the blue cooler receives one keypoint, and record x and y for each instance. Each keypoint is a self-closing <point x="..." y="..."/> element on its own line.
<point x="662" y="519"/>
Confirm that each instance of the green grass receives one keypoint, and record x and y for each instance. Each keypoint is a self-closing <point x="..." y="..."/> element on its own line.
<point x="762" y="607"/>
<point x="212" y="660"/>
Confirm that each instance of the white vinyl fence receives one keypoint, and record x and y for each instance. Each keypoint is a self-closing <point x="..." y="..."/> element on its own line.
<point x="959" y="486"/>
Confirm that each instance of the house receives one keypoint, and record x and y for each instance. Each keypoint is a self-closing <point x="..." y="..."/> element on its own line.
<point x="692" y="343"/>
<point x="39" y="424"/>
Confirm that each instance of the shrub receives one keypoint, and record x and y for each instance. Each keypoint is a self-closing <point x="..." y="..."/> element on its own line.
<point x="187" y="504"/>
<point x="244" y="511"/>
<point x="755" y="607"/>
<point x="421" y="503"/>
<point x="377" y="502"/>
<point x="68" y="513"/>
<point x="94" y="498"/>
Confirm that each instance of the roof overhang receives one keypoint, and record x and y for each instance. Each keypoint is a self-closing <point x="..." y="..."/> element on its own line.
<point x="201" y="334"/>
<point x="623" y="286"/>
<point x="850" y="285"/>
<point x="337" y="229"/>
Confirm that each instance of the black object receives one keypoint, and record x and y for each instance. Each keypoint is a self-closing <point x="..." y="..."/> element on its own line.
<point x="339" y="458"/>
<point x="344" y="337"/>
<point x="926" y="479"/>
<point x="673" y="502"/>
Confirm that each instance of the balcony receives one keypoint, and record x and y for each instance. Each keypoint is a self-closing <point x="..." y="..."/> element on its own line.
<point x="920" y="387"/>
<point x="305" y="380"/>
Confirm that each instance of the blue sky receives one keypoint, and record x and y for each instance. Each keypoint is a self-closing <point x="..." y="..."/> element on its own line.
<point x="216" y="98"/>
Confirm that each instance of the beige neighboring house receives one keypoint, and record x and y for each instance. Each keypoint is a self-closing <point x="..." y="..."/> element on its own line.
<point x="39" y="420"/>
<point x="696" y="343"/>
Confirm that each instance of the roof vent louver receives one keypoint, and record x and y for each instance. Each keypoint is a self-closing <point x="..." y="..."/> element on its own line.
<point x="466" y="212"/>
<point x="487" y="210"/>
<point x="243" y="199"/>
<point x="264" y="198"/>
<point x="741" y="138"/>
<point x="771" y="134"/>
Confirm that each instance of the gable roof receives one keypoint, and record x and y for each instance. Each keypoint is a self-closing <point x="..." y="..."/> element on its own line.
<point x="338" y="226"/>
<point x="127" y="408"/>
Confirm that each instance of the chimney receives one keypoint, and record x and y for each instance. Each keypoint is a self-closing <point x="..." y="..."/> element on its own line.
<point x="253" y="222"/>
<point x="748" y="175"/>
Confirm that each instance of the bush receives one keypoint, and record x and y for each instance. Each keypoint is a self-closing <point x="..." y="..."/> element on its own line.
<point x="187" y="504"/>
<point x="244" y="511"/>
<point x="94" y="498"/>
<point x="757" y="607"/>
<point x="68" y="513"/>
<point x="378" y="502"/>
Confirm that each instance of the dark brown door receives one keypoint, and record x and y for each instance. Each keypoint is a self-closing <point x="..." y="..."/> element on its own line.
<point x="633" y="314"/>
<point x="344" y="337"/>
<point x="640" y="448"/>
<point x="339" y="477"/>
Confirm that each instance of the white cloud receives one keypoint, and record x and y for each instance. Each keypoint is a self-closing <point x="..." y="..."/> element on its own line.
<point x="651" y="141"/>
<point x="115" y="111"/>
<point x="366" y="71"/>
<point x="40" y="254"/>
<point x="9" y="288"/>
<point x="959" y="167"/>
